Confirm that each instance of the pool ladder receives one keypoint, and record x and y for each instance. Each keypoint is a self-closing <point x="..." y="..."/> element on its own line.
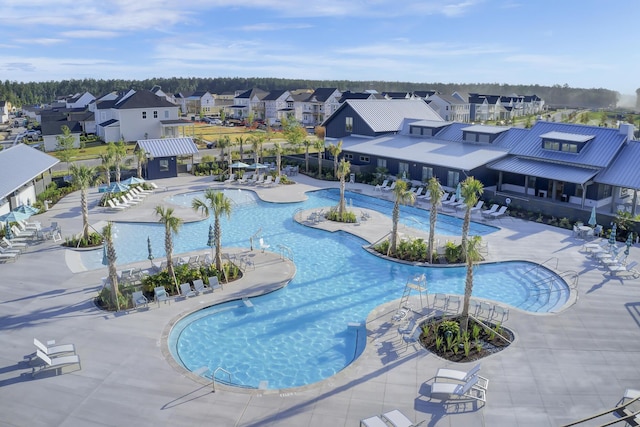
<point x="285" y="252"/>
<point x="213" y="377"/>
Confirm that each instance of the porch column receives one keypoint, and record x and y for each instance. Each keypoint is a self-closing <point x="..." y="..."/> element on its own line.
<point x="553" y="190"/>
<point x="526" y="185"/>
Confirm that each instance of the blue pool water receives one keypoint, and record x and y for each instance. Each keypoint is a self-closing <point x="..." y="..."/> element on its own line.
<point x="300" y="335"/>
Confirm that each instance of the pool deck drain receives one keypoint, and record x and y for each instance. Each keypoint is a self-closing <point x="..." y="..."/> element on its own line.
<point x="560" y="368"/>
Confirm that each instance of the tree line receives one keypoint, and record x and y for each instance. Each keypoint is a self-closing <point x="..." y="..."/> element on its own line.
<point x="35" y="93"/>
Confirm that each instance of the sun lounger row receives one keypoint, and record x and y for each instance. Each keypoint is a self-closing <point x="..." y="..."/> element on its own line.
<point x="495" y="211"/>
<point x="186" y="291"/>
<point x="54" y="356"/>
<point x="131" y="198"/>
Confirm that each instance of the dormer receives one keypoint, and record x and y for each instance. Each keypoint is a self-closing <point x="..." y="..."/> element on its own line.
<point x="565" y="142"/>
<point x="481" y="133"/>
<point x="426" y="127"/>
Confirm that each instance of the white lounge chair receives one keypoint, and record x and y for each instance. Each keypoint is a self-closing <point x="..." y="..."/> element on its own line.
<point x="477" y="207"/>
<point x="379" y="187"/>
<point x="21" y="246"/>
<point x="54" y="350"/>
<point x="186" y="291"/>
<point x="426" y="196"/>
<point x="449" y="390"/>
<point x="116" y="205"/>
<point x="625" y="271"/>
<point x="160" y="294"/>
<point x="231" y="179"/>
<point x="389" y="188"/>
<point x="499" y="213"/>
<point x="214" y="283"/>
<point x="491" y="210"/>
<point x="396" y="418"/>
<point x="139" y="300"/>
<point x="374" y="421"/>
<point x="462" y="376"/>
<point x="450" y="201"/>
<point x="4" y="250"/>
<point x="268" y="181"/>
<point x="56" y="362"/>
<point x="200" y="287"/>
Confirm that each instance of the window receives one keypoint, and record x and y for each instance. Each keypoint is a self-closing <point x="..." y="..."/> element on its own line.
<point x="364" y="159"/>
<point x="155" y="114"/>
<point x="349" y="124"/>
<point x="427" y="173"/>
<point x="164" y="165"/>
<point x="453" y="178"/>
<point x="382" y="163"/>
<point x="348" y="156"/>
<point x="551" y="145"/>
<point x="144" y="114"/>
<point x="166" y="114"/>
<point x="415" y="130"/>
<point x="606" y="190"/>
<point x="531" y="182"/>
<point x="569" y="148"/>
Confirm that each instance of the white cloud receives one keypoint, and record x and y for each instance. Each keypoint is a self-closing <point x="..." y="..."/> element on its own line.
<point x="90" y="34"/>
<point x="41" y="41"/>
<point x="274" y="26"/>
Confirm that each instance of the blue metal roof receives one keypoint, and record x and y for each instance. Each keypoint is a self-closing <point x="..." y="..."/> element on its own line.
<point x="168" y="147"/>
<point x="544" y="169"/>
<point x="598" y="152"/>
<point x="624" y="171"/>
<point x="19" y="165"/>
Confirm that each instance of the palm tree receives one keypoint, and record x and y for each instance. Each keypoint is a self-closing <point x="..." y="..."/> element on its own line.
<point x="403" y="197"/>
<point x="343" y="170"/>
<point x="223" y="143"/>
<point x="433" y="186"/>
<point x="172" y="224"/>
<point x="141" y="158"/>
<point x="335" y="151"/>
<point x="472" y="254"/>
<point x="107" y="163"/>
<point x="319" y="145"/>
<point x="83" y="177"/>
<point x="256" y="146"/>
<point x="240" y="140"/>
<point x="470" y="191"/>
<point x="118" y="152"/>
<point x="306" y="143"/>
<point x="277" y="150"/>
<point x="111" y="258"/>
<point x="219" y="204"/>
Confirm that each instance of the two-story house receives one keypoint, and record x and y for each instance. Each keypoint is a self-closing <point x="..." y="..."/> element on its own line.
<point x="277" y="104"/>
<point x="319" y="105"/>
<point x="247" y="102"/>
<point x="450" y="108"/>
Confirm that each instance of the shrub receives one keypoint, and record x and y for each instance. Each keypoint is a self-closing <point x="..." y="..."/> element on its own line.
<point x="347" y="216"/>
<point x="95" y="239"/>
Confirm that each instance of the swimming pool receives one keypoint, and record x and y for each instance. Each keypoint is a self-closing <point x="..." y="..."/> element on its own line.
<point x="300" y="334"/>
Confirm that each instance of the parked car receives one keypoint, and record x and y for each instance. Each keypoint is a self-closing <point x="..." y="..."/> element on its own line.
<point x="212" y="144"/>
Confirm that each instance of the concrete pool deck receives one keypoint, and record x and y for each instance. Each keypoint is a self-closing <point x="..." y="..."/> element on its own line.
<point x="561" y="367"/>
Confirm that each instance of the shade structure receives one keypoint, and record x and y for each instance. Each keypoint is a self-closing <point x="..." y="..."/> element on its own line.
<point x="14" y="216"/>
<point x="132" y="180"/>
<point x="7" y="231"/>
<point x="117" y="187"/>
<point x="257" y="166"/>
<point x="239" y="165"/>
<point x="211" y="242"/>
<point x="27" y="209"/>
<point x="612" y="236"/>
<point x="592" y="219"/>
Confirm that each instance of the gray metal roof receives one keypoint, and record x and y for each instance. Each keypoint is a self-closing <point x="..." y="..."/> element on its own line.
<point x="168" y="147"/>
<point x="566" y="136"/>
<point x="430" y="123"/>
<point x="387" y="115"/>
<point x="624" y="170"/>
<point x="19" y="165"/>
<point x="492" y="130"/>
<point x="428" y="151"/>
<point x="541" y="169"/>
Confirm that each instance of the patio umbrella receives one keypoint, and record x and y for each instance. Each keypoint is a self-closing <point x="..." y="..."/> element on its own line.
<point x="14" y="216"/>
<point x="592" y="219"/>
<point x="27" y="209"/>
<point x="150" y="257"/>
<point x="239" y="165"/>
<point x="7" y="231"/>
<point x="132" y="180"/>
<point x="117" y="187"/>
<point x="212" y="240"/>
<point x="256" y="166"/>
<point x="612" y="236"/>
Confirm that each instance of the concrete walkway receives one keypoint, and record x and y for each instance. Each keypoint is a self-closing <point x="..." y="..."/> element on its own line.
<point x="561" y="367"/>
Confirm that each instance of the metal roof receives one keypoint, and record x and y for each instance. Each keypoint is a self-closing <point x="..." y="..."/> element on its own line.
<point x="19" y="165"/>
<point x="598" y="152"/>
<point x="168" y="147"/>
<point x="387" y="115"/>
<point x="492" y="130"/>
<point x="541" y="169"/>
<point x="624" y="170"/>
<point x="565" y="136"/>
<point x="430" y="123"/>
<point x="424" y="150"/>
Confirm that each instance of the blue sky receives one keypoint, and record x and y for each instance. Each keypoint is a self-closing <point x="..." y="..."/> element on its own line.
<point x="582" y="43"/>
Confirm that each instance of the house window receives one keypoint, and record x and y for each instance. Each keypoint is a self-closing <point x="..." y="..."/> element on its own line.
<point x="382" y="163"/>
<point x="569" y="148"/>
<point x="551" y="145"/>
<point x="144" y="114"/>
<point x="453" y="178"/>
<point x="164" y="165"/>
<point x="364" y="159"/>
<point x="427" y="173"/>
<point x="348" y="156"/>
<point x="415" y="130"/>
<point x="155" y="114"/>
<point x="349" y="124"/>
<point x="166" y="114"/>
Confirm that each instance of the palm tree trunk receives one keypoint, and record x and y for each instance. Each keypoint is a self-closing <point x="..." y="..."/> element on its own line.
<point x="468" y="288"/>
<point x="217" y="232"/>
<point x="85" y="213"/>
<point x="306" y="159"/>
<point x="168" y="247"/>
<point x="432" y="231"/>
<point x="394" y="230"/>
<point x="113" y="273"/>
<point x="465" y="232"/>
<point x="341" y="204"/>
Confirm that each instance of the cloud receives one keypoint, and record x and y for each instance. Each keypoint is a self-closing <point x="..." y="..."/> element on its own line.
<point x="41" y="41"/>
<point x="422" y="50"/>
<point x="18" y="66"/>
<point x="90" y="34"/>
<point x="274" y="26"/>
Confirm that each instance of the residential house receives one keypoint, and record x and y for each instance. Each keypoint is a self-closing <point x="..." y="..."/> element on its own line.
<point x="278" y="104"/>
<point x="4" y="111"/>
<point x="163" y="154"/>
<point x="25" y="172"/>
<point x="424" y="94"/>
<point x="199" y="103"/>
<point x="397" y="95"/>
<point x="157" y="90"/>
<point x="450" y="108"/>
<point x="79" y="100"/>
<point x="319" y="105"/>
<point x="247" y="102"/>
<point x="356" y="95"/>
<point x="52" y="129"/>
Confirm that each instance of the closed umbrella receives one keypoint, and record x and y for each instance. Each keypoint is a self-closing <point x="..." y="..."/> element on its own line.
<point x="212" y="240"/>
<point x="150" y="257"/>
<point x="612" y="236"/>
<point x="592" y="219"/>
<point x="629" y="242"/>
<point x="7" y="231"/>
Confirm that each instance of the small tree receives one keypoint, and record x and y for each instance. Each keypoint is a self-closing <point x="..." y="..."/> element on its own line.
<point x="277" y="150"/>
<point x="172" y="225"/>
<point x="118" y="152"/>
<point x="319" y="146"/>
<point x="107" y="163"/>
<point x="225" y="142"/>
<point x="65" y="145"/>
<point x="402" y="197"/>
<point x="343" y="170"/>
<point x="219" y="204"/>
<point x="335" y="151"/>
<point x="84" y="177"/>
<point x="256" y="146"/>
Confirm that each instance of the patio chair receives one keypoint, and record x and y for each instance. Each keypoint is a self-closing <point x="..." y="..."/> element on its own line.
<point x="407" y="328"/>
<point x="139" y="300"/>
<point x="454" y="300"/>
<point x="451" y="201"/>
<point x="160" y="294"/>
<point x="426" y="196"/>
<point x="499" y="313"/>
<point x="374" y="421"/>
<point x="53" y="350"/>
<point x="186" y="291"/>
<point x="625" y="271"/>
<point x="379" y="187"/>
<point x="499" y="213"/>
<point x="115" y="205"/>
<point x="477" y="207"/>
<point x="412" y="337"/>
<point x="396" y="418"/>
<point x="231" y="179"/>
<point x="57" y="362"/>
<point x="276" y="181"/>
<point x="21" y="246"/>
<point x="390" y="187"/>
<point x="268" y="181"/>
<point x="491" y="210"/>
<point x="440" y="301"/>
<point x="200" y="287"/>
<point x="452" y="390"/>
<point x="462" y="376"/>
<point x="214" y="283"/>
<point x="8" y="251"/>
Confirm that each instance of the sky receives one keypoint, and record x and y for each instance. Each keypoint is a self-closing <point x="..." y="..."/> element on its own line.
<point x="581" y="43"/>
